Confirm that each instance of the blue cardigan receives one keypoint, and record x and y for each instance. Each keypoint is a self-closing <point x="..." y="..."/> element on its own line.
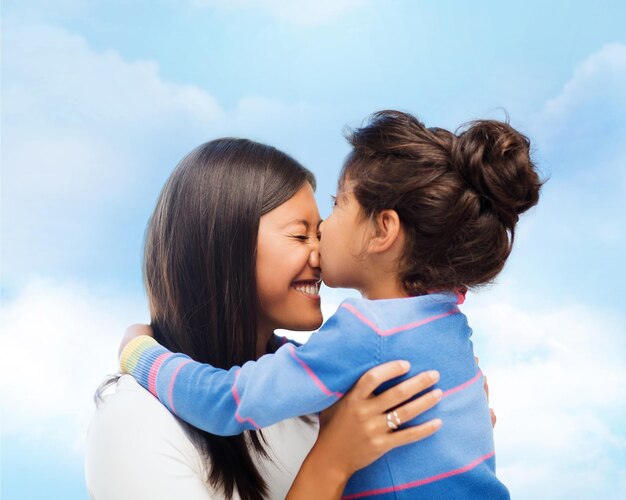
<point x="429" y="331"/>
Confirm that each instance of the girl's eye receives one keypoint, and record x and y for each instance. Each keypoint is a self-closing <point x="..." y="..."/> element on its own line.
<point x="319" y="236"/>
<point x="334" y="200"/>
<point x="301" y="237"/>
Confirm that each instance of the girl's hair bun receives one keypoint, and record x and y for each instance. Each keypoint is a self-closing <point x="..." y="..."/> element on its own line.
<point x="459" y="196"/>
<point x="494" y="160"/>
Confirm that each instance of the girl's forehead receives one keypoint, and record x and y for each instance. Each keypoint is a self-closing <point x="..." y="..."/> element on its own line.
<point x="345" y="185"/>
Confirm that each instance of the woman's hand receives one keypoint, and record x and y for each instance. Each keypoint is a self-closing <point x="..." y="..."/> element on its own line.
<point x="493" y="413"/>
<point x="355" y="432"/>
<point x="486" y="387"/>
<point x="132" y="332"/>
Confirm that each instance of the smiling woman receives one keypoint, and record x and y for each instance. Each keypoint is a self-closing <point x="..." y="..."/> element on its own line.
<point x="231" y="254"/>
<point x="288" y="274"/>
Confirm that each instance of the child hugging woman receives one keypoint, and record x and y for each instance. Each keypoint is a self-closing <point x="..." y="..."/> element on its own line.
<point x="421" y="215"/>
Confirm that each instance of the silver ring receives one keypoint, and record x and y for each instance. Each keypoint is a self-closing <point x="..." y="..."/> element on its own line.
<point x="393" y="420"/>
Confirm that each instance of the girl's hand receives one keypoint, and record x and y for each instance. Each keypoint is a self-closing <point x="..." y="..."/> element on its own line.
<point x="354" y="432"/>
<point x="132" y="332"/>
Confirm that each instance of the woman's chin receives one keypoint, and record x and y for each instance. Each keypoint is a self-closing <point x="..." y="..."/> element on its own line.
<point x="307" y="324"/>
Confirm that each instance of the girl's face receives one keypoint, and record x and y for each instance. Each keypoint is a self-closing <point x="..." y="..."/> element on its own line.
<point x="344" y="238"/>
<point x="287" y="265"/>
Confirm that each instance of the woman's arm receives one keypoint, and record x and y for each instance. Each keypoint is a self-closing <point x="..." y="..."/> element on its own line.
<point x="354" y="431"/>
<point x="291" y="382"/>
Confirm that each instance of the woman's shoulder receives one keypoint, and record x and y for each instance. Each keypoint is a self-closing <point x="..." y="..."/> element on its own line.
<point x="118" y="399"/>
<point x="136" y="446"/>
<point x="126" y="408"/>
<point x="137" y="449"/>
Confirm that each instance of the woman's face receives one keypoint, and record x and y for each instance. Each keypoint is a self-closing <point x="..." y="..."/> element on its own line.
<point x="287" y="265"/>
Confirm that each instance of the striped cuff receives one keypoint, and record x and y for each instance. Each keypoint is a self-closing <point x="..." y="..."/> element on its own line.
<point x="133" y="352"/>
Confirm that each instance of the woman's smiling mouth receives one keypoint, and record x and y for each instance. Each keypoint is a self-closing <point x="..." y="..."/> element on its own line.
<point x="308" y="287"/>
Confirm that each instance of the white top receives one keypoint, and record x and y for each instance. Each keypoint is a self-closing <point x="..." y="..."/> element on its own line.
<point x="136" y="449"/>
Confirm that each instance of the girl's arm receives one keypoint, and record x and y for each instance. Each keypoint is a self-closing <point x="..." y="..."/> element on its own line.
<point x="354" y="432"/>
<point x="293" y="381"/>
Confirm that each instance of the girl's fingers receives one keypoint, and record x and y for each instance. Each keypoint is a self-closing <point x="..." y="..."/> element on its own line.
<point x="418" y="406"/>
<point x="406" y="389"/>
<point x="412" y="434"/>
<point x="374" y="377"/>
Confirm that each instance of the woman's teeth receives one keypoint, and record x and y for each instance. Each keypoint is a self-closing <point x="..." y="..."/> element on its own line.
<point x="309" y="289"/>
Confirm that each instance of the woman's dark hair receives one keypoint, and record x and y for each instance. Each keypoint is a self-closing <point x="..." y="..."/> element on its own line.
<point x="458" y="196"/>
<point x="199" y="270"/>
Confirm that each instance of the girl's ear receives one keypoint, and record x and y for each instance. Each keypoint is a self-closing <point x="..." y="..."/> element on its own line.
<point x="387" y="229"/>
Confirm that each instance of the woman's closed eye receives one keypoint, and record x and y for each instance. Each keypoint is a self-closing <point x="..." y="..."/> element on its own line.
<point x="305" y="237"/>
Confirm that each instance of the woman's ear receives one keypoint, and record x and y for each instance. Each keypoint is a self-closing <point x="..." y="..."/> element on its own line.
<point x="387" y="230"/>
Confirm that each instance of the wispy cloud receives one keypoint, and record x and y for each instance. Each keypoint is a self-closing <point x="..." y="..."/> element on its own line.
<point x="84" y="133"/>
<point x="578" y="231"/>
<point x="558" y="383"/>
<point x="584" y="123"/>
<point x="58" y="342"/>
<point x="88" y="139"/>
<point x="551" y="337"/>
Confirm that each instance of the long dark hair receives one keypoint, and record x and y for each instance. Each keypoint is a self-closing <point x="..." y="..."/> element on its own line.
<point x="459" y="196"/>
<point x="199" y="270"/>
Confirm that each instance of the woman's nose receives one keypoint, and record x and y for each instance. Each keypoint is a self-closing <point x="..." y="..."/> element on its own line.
<point x="314" y="256"/>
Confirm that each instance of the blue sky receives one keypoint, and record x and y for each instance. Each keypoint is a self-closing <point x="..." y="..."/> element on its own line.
<point x="101" y="99"/>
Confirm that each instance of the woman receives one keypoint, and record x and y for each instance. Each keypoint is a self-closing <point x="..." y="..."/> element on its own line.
<point x="214" y="264"/>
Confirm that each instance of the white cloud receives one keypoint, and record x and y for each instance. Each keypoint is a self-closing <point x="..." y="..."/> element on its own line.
<point x="578" y="138"/>
<point x="584" y="125"/>
<point x="558" y="384"/>
<point x="68" y="109"/>
<point x="598" y="80"/>
<point x="58" y="342"/>
<point x="79" y="135"/>
<point x="302" y="13"/>
<point x="88" y="139"/>
<point x="83" y="133"/>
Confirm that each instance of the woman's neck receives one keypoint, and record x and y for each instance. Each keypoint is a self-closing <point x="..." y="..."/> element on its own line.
<point x="263" y="338"/>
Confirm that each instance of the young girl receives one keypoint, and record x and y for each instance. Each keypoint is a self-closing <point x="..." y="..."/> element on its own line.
<point x="420" y="216"/>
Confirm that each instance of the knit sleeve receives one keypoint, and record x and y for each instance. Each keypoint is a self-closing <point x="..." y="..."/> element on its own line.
<point x="292" y="381"/>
